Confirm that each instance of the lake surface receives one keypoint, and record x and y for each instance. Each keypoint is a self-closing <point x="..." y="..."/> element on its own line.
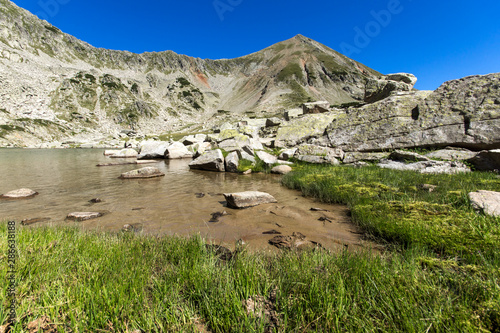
<point x="67" y="179"/>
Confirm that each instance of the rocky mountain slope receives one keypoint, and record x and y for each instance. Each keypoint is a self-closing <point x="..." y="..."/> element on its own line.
<point x="54" y="87"/>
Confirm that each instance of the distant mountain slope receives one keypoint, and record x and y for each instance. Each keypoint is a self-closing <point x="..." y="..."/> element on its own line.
<point x="79" y="89"/>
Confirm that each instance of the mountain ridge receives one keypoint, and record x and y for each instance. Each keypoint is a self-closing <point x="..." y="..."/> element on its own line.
<point x="50" y="75"/>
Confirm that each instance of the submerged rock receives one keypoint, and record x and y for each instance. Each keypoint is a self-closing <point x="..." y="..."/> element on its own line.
<point x="248" y="199"/>
<point x="19" y="194"/>
<point x="83" y="216"/>
<point x="147" y="172"/>
<point x="486" y="201"/>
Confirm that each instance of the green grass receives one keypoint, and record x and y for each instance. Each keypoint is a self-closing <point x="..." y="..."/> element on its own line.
<point x="439" y="271"/>
<point x="291" y="70"/>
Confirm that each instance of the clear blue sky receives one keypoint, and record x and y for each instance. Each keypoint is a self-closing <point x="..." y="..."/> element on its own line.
<point x="435" y="40"/>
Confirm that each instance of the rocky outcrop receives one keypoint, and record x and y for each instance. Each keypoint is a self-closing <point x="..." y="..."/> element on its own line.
<point x="248" y="199"/>
<point x="147" y="172"/>
<point x="461" y="113"/>
<point x="426" y="166"/>
<point x="486" y="201"/>
<point x="378" y="89"/>
<point x="315" y="107"/>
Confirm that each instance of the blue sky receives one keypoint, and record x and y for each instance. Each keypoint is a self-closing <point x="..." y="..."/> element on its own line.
<point x="436" y="41"/>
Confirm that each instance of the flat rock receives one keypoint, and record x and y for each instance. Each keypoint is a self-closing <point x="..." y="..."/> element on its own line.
<point x="281" y="169"/>
<point x="248" y="199"/>
<point x="111" y="152"/>
<point x="426" y="167"/>
<point x="83" y="216"/>
<point x="486" y="201"/>
<point x="452" y="154"/>
<point x="211" y="160"/>
<point x="266" y="157"/>
<point x="147" y="172"/>
<point x="21" y="193"/>
<point x="353" y="157"/>
<point x="401" y="155"/>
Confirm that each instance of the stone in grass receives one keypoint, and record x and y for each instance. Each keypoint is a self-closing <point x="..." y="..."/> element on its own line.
<point x="486" y="201"/>
<point x="19" y="194"/>
<point x="83" y="216"/>
<point x="281" y="169"/>
<point x="147" y="172"/>
<point x="248" y="199"/>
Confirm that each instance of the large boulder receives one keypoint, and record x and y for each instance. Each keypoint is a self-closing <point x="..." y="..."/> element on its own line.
<point x="248" y="199"/>
<point x="211" y="160"/>
<point x="316" y="107"/>
<point x="147" y="172"/>
<point x="461" y="113"/>
<point x="177" y="150"/>
<point x="299" y="130"/>
<point x="232" y="162"/>
<point x="267" y="158"/>
<point x="486" y="160"/>
<point x="152" y="150"/>
<point x="486" y="201"/>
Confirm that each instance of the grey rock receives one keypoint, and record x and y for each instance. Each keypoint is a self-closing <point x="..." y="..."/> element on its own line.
<point x="274" y="121"/>
<point x="177" y="150"/>
<point x="248" y="199"/>
<point x="281" y="169"/>
<point x="83" y="216"/>
<point x="426" y="167"/>
<point x="211" y="160"/>
<point x="266" y="157"/>
<point x="487" y="160"/>
<point x="486" y="201"/>
<point x="232" y="162"/>
<point x="316" y="107"/>
<point x="287" y="154"/>
<point x="152" y="150"/>
<point x="328" y="153"/>
<point x="318" y="159"/>
<point x="400" y="155"/>
<point x="379" y="89"/>
<point x="461" y="113"/>
<point x="452" y="154"/>
<point x="294" y="113"/>
<point x="403" y="77"/>
<point x="19" y="194"/>
<point x="353" y="157"/>
<point x="125" y="153"/>
<point x="147" y="172"/>
<point x="246" y="156"/>
<point x="299" y="130"/>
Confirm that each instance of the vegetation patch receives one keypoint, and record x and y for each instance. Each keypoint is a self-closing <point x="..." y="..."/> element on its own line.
<point x="291" y="70"/>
